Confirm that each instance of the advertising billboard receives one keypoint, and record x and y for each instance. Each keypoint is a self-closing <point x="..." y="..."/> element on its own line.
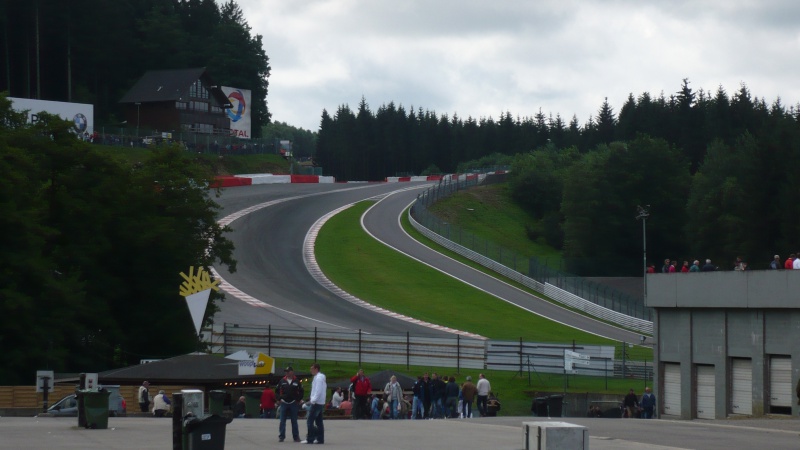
<point x="80" y="114"/>
<point x="239" y="113"/>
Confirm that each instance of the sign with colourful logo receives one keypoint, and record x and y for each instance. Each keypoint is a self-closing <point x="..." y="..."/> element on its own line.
<point x="261" y="364"/>
<point x="196" y="287"/>
<point x="80" y="114"/>
<point x="239" y="113"/>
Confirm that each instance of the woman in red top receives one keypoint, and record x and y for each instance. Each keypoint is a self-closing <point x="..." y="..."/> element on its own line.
<point x="268" y="403"/>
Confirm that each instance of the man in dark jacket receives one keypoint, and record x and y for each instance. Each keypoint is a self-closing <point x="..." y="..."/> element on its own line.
<point x="289" y="393"/>
<point x="437" y="387"/>
<point x="631" y="404"/>
<point x="418" y="405"/>
<point x="451" y="398"/>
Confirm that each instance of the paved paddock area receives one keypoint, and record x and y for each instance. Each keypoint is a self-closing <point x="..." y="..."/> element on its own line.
<point x="487" y="433"/>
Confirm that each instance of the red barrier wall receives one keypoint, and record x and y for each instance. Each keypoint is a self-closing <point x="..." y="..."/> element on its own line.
<point x="305" y="178"/>
<point x="230" y="182"/>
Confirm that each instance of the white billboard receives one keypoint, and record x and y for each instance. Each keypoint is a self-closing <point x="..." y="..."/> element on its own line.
<point x="239" y="113"/>
<point x="80" y="114"/>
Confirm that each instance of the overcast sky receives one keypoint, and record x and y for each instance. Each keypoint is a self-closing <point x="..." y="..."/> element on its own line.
<point x="483" y="58"/>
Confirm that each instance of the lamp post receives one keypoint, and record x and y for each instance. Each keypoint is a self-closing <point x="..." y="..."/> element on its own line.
<point x="137" y="118"/>
<point x="643" y="215"/>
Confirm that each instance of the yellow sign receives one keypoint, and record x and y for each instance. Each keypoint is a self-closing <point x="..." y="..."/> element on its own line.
<point x="197" y="282"/>
<point x="261" y="364"/>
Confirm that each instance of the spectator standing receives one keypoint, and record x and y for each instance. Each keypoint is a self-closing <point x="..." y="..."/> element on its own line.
<point x="648" y="404"/>
<point x="708" y="267"/>
<point x="666" y="266"/>
<point x="451" y="392"/>
<point x="362" y="389"/>
<point x="418" y="405"/>
<point x="789" y="264"/>
<point x="695" y="266"/>
<point x="775" y="264"/>
<point x="319" y="385"/>
<point x="144" y="397"/>
<point x="631" y="402"/>
<point x="651" y="268"/>
<point x="796" y="262"/>
<point x="161" y="404"/>
<point x="268" y="403"/>
<point x="239" y="408"/>
<point x="738" y="264"/>
<point x="437" y="396"/>
<point x="393" y="394"/>
<point x="426" y="394"/>
<point x="672" y="267"/>
<point x="375" y="407"/>
<point x="483" y="389"/>
<point x="468" y="391"/>
<point x="290" y="393"/>
<point x="336" y="398"/>
<point x="685" y="267"/>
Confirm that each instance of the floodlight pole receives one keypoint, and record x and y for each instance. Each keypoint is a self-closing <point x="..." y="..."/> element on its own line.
<point x="643" y="215"/>
<point x="137" y="118"/>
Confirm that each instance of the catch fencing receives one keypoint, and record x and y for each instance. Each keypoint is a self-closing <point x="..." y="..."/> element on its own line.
<point x="415" y="350"/>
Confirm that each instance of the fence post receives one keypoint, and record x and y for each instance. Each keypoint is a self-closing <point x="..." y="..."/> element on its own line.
<point x="623" y="360"/>
<point x="359" y="347"/>
<point x="520" y="356"/>
<point x="315" y="344"/>
<point x="269" y="339"/>
<point x="408" y="350"/>
<point x="225" y="338"/>
<point x="458" y="354"/>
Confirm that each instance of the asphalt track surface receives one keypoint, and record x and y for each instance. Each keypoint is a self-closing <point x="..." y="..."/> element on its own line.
<point x="271" y="268"/>
<point x="270" y="265"/>
<point x="484" y="433"/>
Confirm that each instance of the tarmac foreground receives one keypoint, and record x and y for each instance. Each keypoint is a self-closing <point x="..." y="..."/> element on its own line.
<point x="486" y="433"/>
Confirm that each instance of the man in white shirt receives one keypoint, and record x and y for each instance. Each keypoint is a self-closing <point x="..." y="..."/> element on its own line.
<point x="483" y="388"/>
<point x="337" y="398"/>
<point x="319" y="385"/>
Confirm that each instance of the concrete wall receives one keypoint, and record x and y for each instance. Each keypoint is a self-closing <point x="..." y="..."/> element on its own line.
<point x="749" y="289"/>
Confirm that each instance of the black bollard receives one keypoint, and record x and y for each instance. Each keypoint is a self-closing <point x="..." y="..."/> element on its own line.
<point x="177" y="421"/>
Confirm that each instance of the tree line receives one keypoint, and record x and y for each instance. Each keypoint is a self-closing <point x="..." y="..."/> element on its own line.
<point x="715" y="169"/>
<point x="93" y="52"/>
<point x="92" y="248"/>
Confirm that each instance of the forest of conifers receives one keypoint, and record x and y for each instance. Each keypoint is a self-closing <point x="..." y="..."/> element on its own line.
<point x="93" y="52"/>
<point x="717" y="170"/>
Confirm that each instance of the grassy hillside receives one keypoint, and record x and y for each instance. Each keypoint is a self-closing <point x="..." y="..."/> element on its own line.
<point x="491" y="214"/>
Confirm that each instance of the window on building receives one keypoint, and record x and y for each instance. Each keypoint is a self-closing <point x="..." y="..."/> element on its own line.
<point x="197" y="90"/>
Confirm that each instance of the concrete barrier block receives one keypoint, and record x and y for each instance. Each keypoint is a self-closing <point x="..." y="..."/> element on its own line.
<point x="554" y="436"/>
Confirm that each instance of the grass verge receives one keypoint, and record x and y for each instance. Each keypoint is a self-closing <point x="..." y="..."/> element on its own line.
<point x="375" y="273"/>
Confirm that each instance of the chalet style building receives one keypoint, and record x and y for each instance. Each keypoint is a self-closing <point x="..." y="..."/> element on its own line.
<point x="181" y="100"/>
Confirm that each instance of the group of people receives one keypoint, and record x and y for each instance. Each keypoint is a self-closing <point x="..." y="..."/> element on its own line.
<point x="792" y="262"/>
<point x="669" y="267"/>
<point x="288" y="397"/>
<point x="161" y="403"/>
<point x="440" y="397"/>
<point x="632" y="407"/>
